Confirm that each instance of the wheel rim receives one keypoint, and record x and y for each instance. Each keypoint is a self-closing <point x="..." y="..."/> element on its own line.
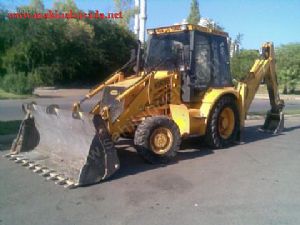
<point x="226" y="123"/>
<point x="161" y="140"/>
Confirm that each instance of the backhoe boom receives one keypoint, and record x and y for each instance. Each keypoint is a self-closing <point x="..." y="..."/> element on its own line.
<point x="262" y="70"/>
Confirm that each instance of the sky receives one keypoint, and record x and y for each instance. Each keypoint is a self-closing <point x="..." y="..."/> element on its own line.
<point x="257" y="20"/>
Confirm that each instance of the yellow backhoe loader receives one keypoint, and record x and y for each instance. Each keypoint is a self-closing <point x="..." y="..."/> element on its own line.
<point x="181" y="87"/>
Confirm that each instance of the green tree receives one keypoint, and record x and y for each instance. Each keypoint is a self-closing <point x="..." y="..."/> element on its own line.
<point x="37" y="5"/>
<point x="3" y="40"/>
<point x="60" y="52"/>
<point x="65" y="5"/>
<point x="210" y="23"/>
<point x="242" y="62"/>
<point x="128" y="11"/>
<point x="288" y="66"/>
<point x="238" y="39"/>
<point x="194" y="15"/>
<point x="34" y="6"/>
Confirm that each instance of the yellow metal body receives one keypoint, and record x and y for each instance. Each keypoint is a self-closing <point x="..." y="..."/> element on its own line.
<point x="161" y="140"/>
<point x="159" y="93"/>
<point x="128" y="101"/>
<point x="226" y="123"/>
<point x="186" y="27"/>
<point x="262" y="69"/>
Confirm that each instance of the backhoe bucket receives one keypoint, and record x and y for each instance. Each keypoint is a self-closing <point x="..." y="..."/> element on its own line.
<point x="274" y="123"/>
<point x="74" y="151"/>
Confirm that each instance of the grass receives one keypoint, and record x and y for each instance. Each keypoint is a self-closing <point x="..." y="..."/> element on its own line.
<point x="9" y="127"/>
<point x="6" y="95"/>
<point x="263" y="89"/>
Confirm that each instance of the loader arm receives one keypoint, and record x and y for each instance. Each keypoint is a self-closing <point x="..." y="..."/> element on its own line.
<point x="113" y="78"/>
<point x="262" y="69"/>
<point x="116" y="77"/>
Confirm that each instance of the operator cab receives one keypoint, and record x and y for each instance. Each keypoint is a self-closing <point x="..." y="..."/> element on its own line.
<point x="200" y="54"/>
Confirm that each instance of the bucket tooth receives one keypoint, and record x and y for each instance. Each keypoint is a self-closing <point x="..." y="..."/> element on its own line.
<point x="61" y="180"/>
<point x="32" y="166"/>
<point x="26" y="162"/>
<point x="14" y="157"/>
<point x="85" y="156"/>
<point x="20" y="160"/>
<point x="71" y="185"/>
<point x="39" y="169"/>
<point x="46" y="173"/>
<point x="9" y="155"/>
<point x="53" y="176"/>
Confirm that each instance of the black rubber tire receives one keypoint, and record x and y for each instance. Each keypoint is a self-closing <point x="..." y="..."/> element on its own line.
<point x="143" y="134"/>
<point x="212" y="137"/>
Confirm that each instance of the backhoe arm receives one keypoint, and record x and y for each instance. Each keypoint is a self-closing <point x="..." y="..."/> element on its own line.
<point x="271" y="80"/>
<point x="263" y="69"/>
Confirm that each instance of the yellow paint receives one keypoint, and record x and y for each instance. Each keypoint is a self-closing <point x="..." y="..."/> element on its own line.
<point x="210" y="99"/>
<point x="183" y="27"/>
<point x="161" y="74"/>
<point x="263" y="68"/>
<point x="180" y="114"/>
<point x="226" y="123"/>
<point x="127" y="82"/>
<point x="161" y="140"/>
<point x="197" y="122"/>
<point x="159" y="93"/>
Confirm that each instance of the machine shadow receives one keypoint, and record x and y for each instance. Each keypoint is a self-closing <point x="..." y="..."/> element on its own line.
<point x="132" y="163"/>
<point x="253" y="133"/>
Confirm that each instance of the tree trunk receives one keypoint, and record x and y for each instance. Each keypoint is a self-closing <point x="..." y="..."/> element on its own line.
<point x="284" y="89"/>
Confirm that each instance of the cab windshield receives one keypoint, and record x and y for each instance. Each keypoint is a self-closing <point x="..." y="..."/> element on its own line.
<point x="162" y="50"/>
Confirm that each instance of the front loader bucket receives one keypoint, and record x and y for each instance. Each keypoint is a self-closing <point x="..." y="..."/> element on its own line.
<point x="274" y="123"/>
<point x="74" y="151"/>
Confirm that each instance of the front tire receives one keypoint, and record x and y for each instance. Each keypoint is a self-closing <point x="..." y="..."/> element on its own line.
<point x="224" y="123"/>
<point x="157" y="139"/>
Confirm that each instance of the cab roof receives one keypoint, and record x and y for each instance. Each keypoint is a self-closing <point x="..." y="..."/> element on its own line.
<point x="185" y="27"/>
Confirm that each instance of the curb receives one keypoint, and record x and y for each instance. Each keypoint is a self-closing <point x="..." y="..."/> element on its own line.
<point x="259" y="117"/>
<point x="284" y="97"/>
<point x="255" y="117"/>
<point x="49" y="88"/>
<point x="7" y="139"/>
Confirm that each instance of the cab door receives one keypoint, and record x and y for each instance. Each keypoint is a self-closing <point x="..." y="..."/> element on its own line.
<point x="198" y="77"/>
<point x="209" y="66"/>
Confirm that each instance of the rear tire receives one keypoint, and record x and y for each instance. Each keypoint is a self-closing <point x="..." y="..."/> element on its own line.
<point x="157" y="139"/>
<point x="224" y="124"/>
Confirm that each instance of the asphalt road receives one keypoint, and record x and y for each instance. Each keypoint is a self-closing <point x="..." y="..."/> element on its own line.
<point x="254" y="183"/>
<point x="11" y="109"/>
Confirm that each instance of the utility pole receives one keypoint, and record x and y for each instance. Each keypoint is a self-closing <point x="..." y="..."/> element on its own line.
<point x="136" y="18"/>
<point x="142" y="22"/>
<point x="140" y="19"/>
